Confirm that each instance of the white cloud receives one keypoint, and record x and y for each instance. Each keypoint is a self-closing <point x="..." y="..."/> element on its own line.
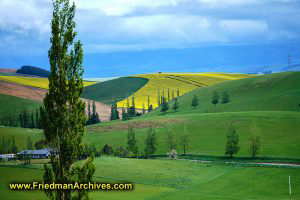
<point x="141" y="24"/>
<point x="244" y="26"/>
<point x="123" y="7"/>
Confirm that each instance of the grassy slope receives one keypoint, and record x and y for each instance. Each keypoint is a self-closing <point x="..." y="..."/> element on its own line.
<point x="279" y="133"/>
<point x="117" y="89"/>
<point x="167" y="179"/>
<point x="275" y="92"/>
<point x="13" y="105"/>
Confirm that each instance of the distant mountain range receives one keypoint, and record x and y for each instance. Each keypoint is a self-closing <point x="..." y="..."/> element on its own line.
<point x="239" y="59"/>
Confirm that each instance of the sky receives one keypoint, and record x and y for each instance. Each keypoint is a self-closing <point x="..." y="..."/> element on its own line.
<point x="116" y="27"/>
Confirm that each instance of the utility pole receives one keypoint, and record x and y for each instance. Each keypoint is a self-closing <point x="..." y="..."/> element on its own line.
<point x="290" y="187"/>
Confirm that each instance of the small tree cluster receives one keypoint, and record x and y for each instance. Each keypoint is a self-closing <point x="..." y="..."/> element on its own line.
<point x="114" y="112"/>
<point x="93" y="117"/>
<point x="26" y="119"/>
<point x="8" y="145"/>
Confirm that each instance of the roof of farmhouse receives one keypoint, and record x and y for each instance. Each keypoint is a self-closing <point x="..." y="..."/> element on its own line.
<point x="41" y="151"/>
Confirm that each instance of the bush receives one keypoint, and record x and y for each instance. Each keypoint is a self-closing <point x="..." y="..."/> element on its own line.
<point x="173" y="154"/>
<point x="121" y="152"/>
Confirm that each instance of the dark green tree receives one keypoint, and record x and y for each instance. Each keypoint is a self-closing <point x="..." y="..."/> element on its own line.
<point x="164" y="106"/>
<point x="64" y="116"/>
<point x="175" y="105"/>
<point x="225" y="98"/>
<point x="124" y="115"/>
<point x="148" y="103"/>
<point x="232" y="144"/>
<point x="178" y="92"/>
<point x="184" y="140"/>
<point x="169" y="95"/>
<point x="114" y="112"/>
<point x="32" y="122"/>
<point x="171" y="140"/>
<point x="94" y="117"/>
<point x="143" y="109"/>
<point x="133" y="111"/>
<point x="150" y="142"/>
<point x="131" y="141"/>
<point x="107" y="150"/>
<point x="14" y="148"/>
<point x="215" y="98"/>
<point x="255" y="146"/>
<point x="29" y="143"/>
<point x="195" y="101"/>
<point x="150" y="108"/>
<point x="37" y="119"/>
<point x="158" y="98"/>
<point x="173" y="94"/>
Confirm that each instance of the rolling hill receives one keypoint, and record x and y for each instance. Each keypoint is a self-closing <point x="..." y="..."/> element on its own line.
<point x="167" y="84"/>
<point x="32" y="81"/>
<point x="273" y="92"/>
<point x="14" y="105"/>
<point x="116" y="89"/>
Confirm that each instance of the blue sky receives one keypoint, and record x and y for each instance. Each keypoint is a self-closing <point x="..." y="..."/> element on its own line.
<point x="115" y="27"/>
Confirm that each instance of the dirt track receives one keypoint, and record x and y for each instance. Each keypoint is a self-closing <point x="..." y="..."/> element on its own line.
<point x="38" y="94"/>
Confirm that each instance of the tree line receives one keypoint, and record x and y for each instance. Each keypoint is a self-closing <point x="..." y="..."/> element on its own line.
<point x="25" y="119"/>
<point x="164" y="105"/>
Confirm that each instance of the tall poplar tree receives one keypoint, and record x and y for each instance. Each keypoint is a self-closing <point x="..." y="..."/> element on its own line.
<point x="63" y="118"/>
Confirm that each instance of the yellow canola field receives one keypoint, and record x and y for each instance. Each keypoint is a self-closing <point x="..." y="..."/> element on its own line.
<point x="184" y="82"/>
<point x="32" y="81"/>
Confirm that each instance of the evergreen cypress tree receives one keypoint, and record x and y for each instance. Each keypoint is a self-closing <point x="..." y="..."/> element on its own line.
<point x="158" y="98"/>
<point x="175" y="105"/>
<point x="168" y="94"/>
<point x="148" y="103"/>
<point x="178" y="92"/>
<point x="164" y="106"/>
<point x="64" y="116"/>
<point x="32" y="123"/>
<point x="37" y="119"/>
<point x="215" y="98"/>
<point x="150" y="142"/>
<point x="225" y="98"/>
<point x="131" y="141"/>
<point x="14" y="148"/>
<point x="173" y="94"/>
<point x="143" y="109"/>
<point x="232" y="145"/>
<point x="133" y="111"/>
<point x="195" y="101"/>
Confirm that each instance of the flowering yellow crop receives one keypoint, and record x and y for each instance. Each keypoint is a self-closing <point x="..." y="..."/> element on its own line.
<point x="172" y="82"/>
<point x="32" y="81"/>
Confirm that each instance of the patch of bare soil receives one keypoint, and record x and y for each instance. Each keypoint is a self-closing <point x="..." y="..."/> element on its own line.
<point x="137" y="125"/>
<point x="38" y="94"/>
<point x="22" y="91"/>
<point x="7" y="70"/>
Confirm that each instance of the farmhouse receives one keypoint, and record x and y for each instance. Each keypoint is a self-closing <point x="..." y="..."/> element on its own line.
<point x="42" y="153"/>
<point x="7" y="156"/>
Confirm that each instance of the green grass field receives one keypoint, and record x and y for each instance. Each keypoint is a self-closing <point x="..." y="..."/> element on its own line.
<point x="14" y="105"/>
<point x="268" y="102"/>
<point x="116" y="89"/>
<point x="171" y="179"/>
<point x="274" y="92"/>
